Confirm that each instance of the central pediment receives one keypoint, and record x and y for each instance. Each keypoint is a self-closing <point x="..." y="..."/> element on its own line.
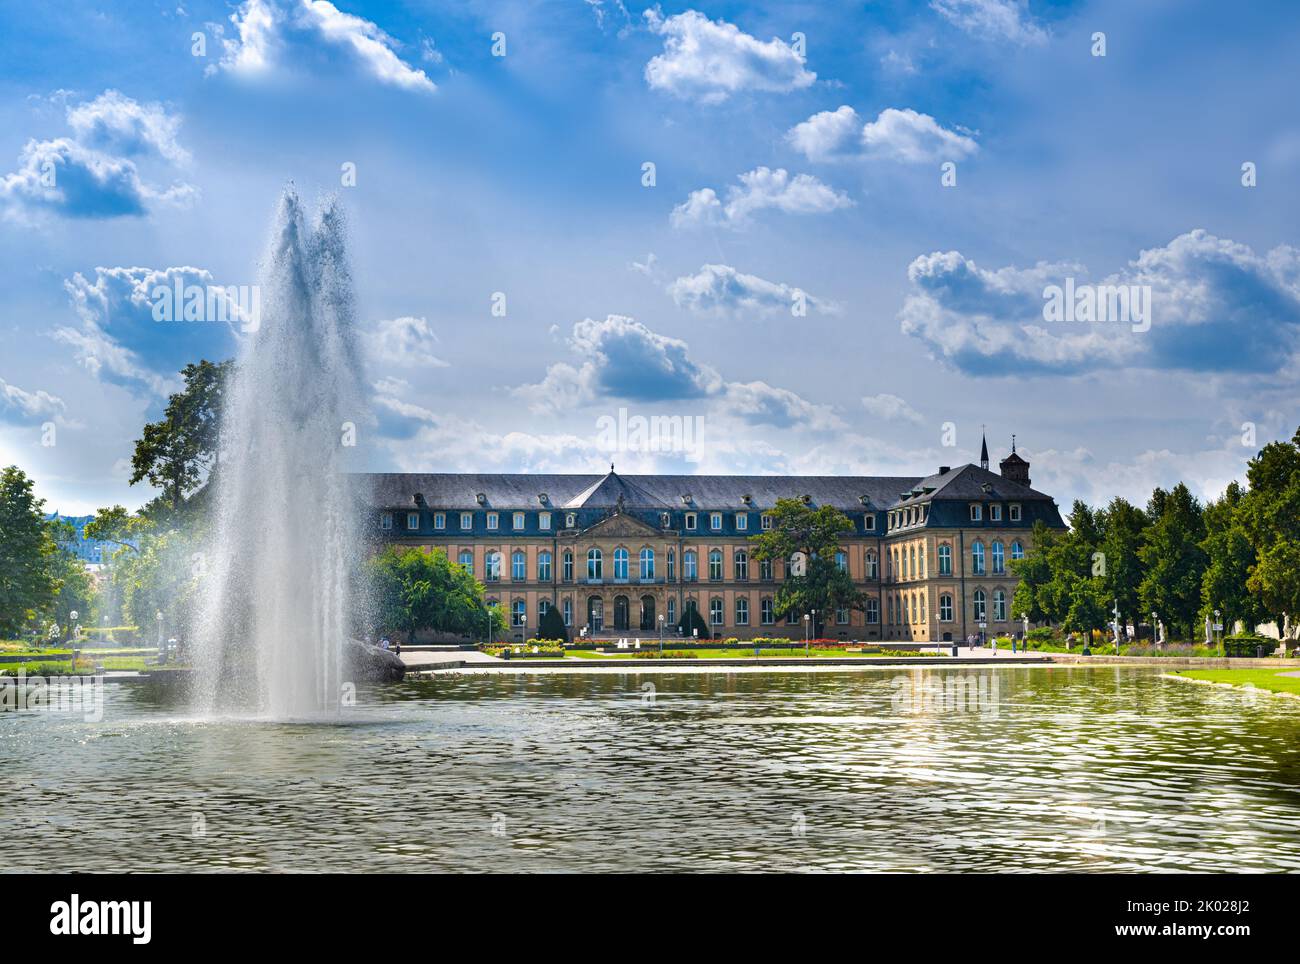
<point x="620" y="524"/>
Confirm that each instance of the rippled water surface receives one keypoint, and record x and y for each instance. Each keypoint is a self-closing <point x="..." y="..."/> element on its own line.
<point x="1059" y="768"/>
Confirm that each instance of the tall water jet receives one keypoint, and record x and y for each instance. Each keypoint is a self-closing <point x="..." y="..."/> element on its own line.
<point x="273" y="613"/>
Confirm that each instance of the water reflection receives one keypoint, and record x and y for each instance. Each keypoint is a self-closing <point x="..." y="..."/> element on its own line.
<point x="1067" y="768"/>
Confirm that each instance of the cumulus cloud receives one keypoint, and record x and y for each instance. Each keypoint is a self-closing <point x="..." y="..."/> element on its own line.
<point x="268" y="32"/>
<point x="993" y="20"/>
<point x="758" y="190"/>
<point x="1216" y="305"/>
<point x="115" y="123"/>
<point x="403" y="341"/>
<point x="626" y="360"/>
<point x="897" y="135"/>
<point x="721" y="288"/>
<point x="120" y="342"/>
<point x="710" y="60"/>
<point x="92" y="175"/>
<point x="890" y="408"/>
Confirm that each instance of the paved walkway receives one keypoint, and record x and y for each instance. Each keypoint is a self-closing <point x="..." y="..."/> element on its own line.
<point x="431" y="660"/>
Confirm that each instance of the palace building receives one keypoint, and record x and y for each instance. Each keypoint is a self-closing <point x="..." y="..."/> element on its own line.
<point x="618" y="554"/>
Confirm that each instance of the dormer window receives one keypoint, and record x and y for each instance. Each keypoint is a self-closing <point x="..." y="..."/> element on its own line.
<point x="742" y="521"/>
<point x="665" y="520"/>
<point x="412" y="520"/>
<point x="492" y="520"/>
<point x="386" y="521"/>
<point x="995" y="513"/>
<point x="518" y="520"/>
<point x="543" y="520"/>
<point x="690" y="520"/>
<point x="467" y="520"/>
<point x="1013" y="511"/>
<point x="440" y="520"/>
<point x="765" y="521"/>
<point x="976" y="512"/>
<point x="868" y="522"/>
<point x="715" y="521"/>
<point x="570" y="521"/>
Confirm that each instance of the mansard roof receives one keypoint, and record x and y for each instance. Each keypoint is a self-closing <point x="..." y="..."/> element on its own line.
<point x="505" y="491"/>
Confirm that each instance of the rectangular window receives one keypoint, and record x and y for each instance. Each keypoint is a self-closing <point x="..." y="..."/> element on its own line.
<point x="1013" y="511"/>
<point x="766" y="521"/>
<point x="995" y="513"/>
<point x="672" y="611"/>
<point x="386" y="521"/>
<point x="715" y="521"/>
<point x="412" y="520"/>
<point x="742" y="565"/>
<point x="518" y="521"/>
<point x="873" y="611"/>
<point x="765" y="614"/>
<point x="976" y="512"/>
<point x="742" y="611"/>
<point x="467" y="520"/>
<point x="492" y="520"/>
<point x="440" y="520"/>
<point x="568" y="612"/>
<point x="690" y="520"/>
<point x="841" y="617"/>
<point x="742" y="521"/>
<point x="543" y="520"/>
<point x="765" y="570"/>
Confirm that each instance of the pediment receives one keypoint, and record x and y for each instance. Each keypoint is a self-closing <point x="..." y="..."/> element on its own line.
<point x="621" y="524"/>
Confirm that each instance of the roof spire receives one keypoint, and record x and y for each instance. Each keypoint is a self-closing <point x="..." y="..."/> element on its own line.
<point x="1013" y="443"/>
<point x="984" y="450"/>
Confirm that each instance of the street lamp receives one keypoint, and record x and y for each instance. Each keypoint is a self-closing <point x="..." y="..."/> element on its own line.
<point x="1155" y="629"/>
<point x="1115" y="613"/>
<point x="158" y="619"/>
<point x="661" y="634"/>
<point x="813" y="631"/>
<point x="806" y="617"/>
<point x="1218" y="629"/>
<point x="73" y="616"/>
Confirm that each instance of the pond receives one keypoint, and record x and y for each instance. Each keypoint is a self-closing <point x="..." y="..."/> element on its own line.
<point x="1050" y="768"/>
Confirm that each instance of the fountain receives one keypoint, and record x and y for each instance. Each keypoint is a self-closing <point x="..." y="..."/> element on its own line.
<point x="274" y="599"/>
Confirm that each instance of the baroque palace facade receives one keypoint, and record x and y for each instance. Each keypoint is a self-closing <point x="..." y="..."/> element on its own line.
<point x="618" y="554"/>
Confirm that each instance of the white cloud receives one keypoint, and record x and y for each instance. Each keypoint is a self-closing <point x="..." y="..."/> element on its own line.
<point x="758" y="190"/>
<point x="709" y="60"/>
<point x="891" y="408"/>
<point x="993" y="19"/>
<point x="117" y="124"/>
<point x="905" y="135"/>
<point x="267" y="30"/>
<point x="21" y="405"/>
<point x="403" y="341"/>
<point x="721" y="288"/>
<point x="822" y="135"/>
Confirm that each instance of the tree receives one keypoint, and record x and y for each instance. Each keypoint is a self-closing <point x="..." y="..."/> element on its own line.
<point x="691" y="621"/>
<point x="27" y="583"/>
<point x="76" y="591"/>
<point x="815" y="533"/>
<point x="412" y="590"/>
<point x="1173" y="558"/>
<point x="1122" y="527"/>
<point x="1230" y="558"/>
<point x="117" y="526"/>
<point x="1034" y="573"/>
<point x="174" y="453"/>
<point x="551" y="626"/>
<point x="1270" y="516"/>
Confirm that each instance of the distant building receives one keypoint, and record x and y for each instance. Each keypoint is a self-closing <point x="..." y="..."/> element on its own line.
<point x="615" y="552"/>
<point x="87" y="550"/>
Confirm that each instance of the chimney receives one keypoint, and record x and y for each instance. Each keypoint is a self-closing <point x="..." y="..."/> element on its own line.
<point x="945" y="469"/>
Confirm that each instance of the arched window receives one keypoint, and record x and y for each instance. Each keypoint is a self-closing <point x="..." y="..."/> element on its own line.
<point x="911" y="561"/>
<point x="518" y="613"/>
<point x="620" y="563"/>
<point x="595" y="564"/>
<point x="1017" y="550"/>
<point x="672" y="565"/>
<point x="980" y="613"/>
<point x="518" y="567"/>
<point x="715" y="612"/>
<point x="543" y="607"/>
<point x="494" y="567"/>
<point x="568" y="566"/>
<point x="467" y="560"/>
<point x="945" y="608"/>
<point x="544" y="566"/>
<point x="690" y="568"/>
<point x="742" y="611"/>
<point x="741" y="565"/>
<point x="945" y="560"/>
<point x="999" y="558"/>
<point x="873" y="569"/>
<point x="715" y="564"/>
<point x="910" y="602"/>
<point x="999" y="606"/>
<point x="647" y="564"/>
<point x="672" y="611"/>
<point x="977" y="557"/>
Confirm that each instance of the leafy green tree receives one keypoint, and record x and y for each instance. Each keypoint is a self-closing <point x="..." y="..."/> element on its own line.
<point x="174" y="453"/>
<point x="1270" y="515"/>
<point x="816" y="533"/>
<point x="1173" y="559"/>
<point x="413" y="590"/>
<point x="118" y="527"/>
<point x="1122" y="527"/>
<point x="27" y="582"/>
<point x="1034" y="573"/>
<point x="76" y="590"/>
<point x="1230" y="558"/>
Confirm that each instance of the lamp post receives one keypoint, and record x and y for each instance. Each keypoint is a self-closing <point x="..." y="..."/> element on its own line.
<point x="812" y="632"/>
<point x="1115" y="613"/>
<point x="1218" y="629"/>
<point x="806" y="618"/>
<point x="1155" y="629"/>
<point x="73" y="616"/>
<point x="661" y="634"/>
<point x="159" y="620"/>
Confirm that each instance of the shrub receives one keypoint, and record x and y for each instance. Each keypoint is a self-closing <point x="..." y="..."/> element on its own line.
<point x="1248" y="645"/>
<point x="552" y="626"/>
<point x="692" y="620"/>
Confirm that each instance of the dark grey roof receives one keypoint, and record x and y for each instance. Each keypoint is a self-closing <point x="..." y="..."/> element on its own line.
<point x="521" y="490"/>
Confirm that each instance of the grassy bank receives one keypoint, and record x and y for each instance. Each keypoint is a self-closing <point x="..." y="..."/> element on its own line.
<point x="1264" y="679"/>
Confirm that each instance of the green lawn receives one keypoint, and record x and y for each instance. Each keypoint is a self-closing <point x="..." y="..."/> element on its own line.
<point x="1264" y="679"/>
<point x="652" y="650"/>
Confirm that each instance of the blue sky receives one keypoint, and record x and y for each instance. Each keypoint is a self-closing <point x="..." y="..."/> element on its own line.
<point x="797" y="147"/>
